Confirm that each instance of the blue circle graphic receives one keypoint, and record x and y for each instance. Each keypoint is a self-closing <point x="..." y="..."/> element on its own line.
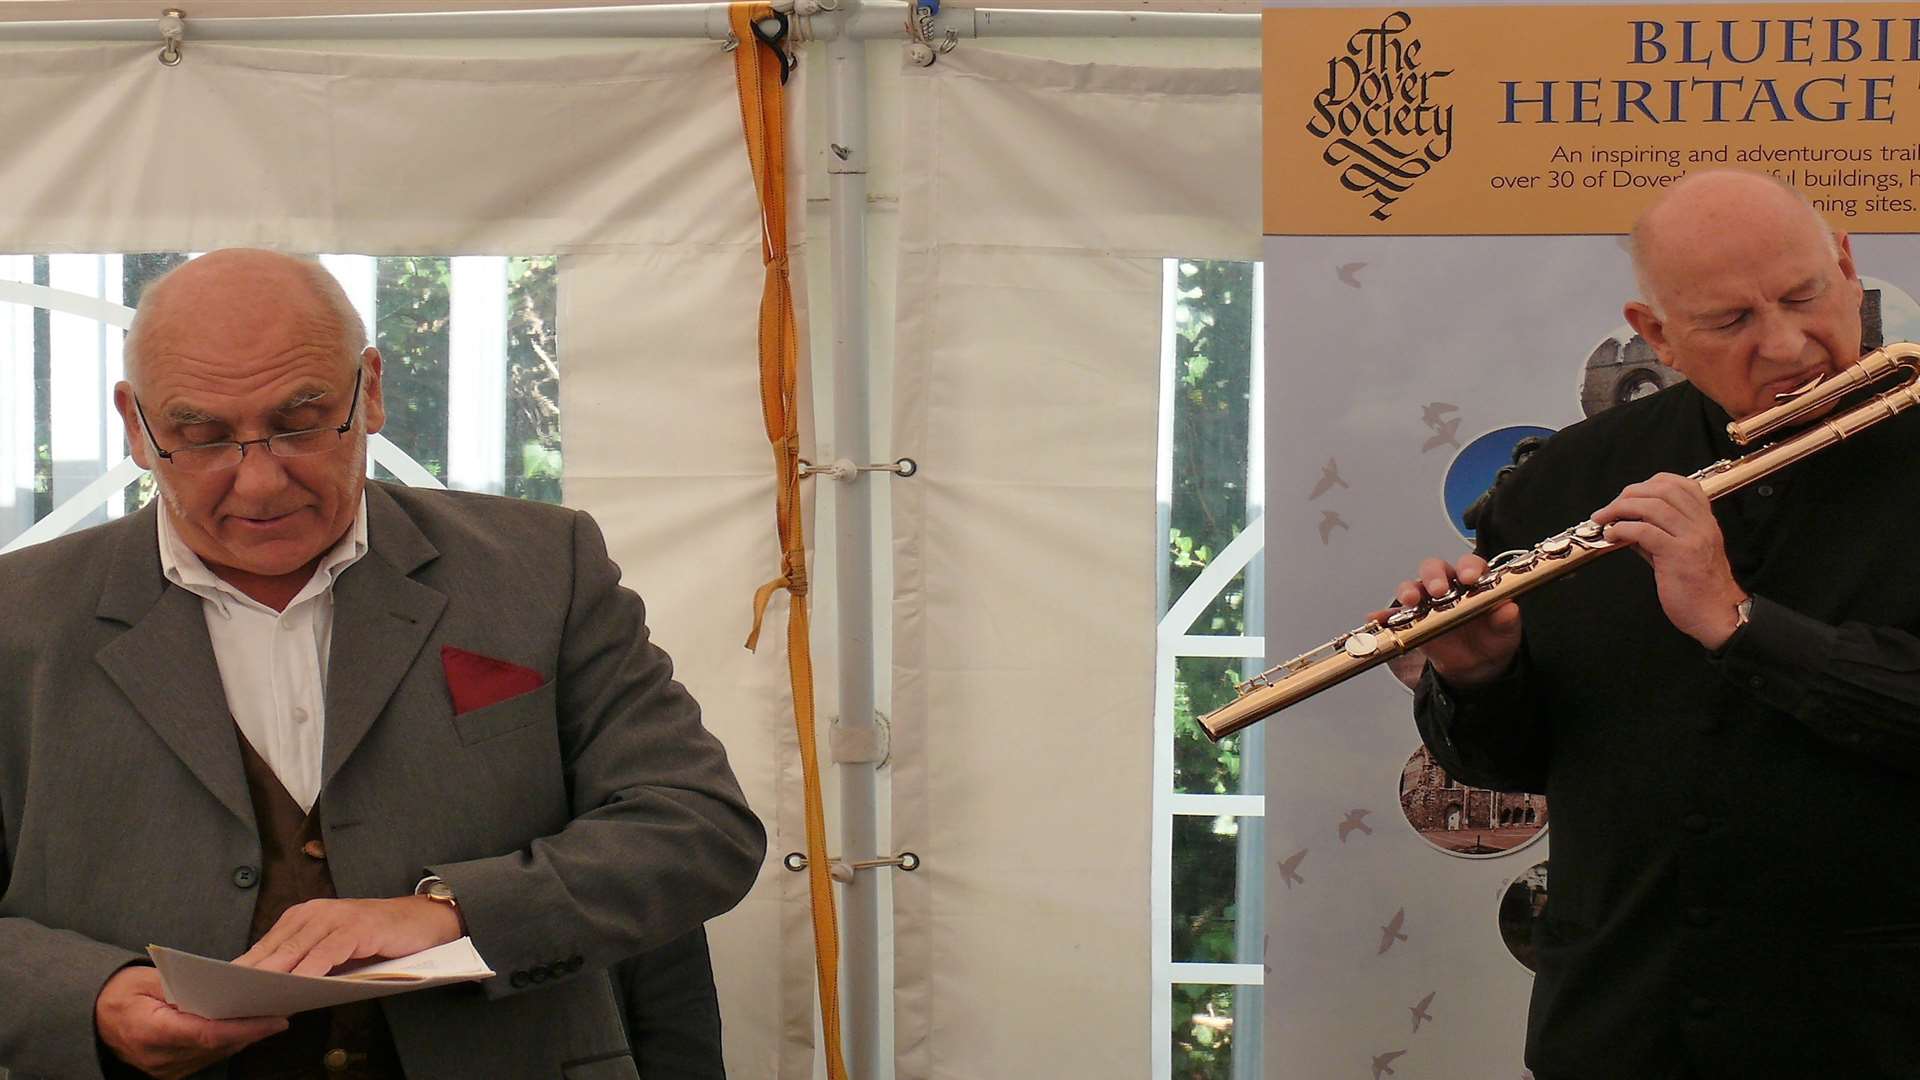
<point x="1474" y="467"/>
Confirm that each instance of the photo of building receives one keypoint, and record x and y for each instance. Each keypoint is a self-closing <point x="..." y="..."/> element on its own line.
<point x="1464" y="820"/>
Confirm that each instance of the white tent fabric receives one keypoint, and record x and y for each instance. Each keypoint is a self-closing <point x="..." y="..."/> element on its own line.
<point x="628" y="163"/>
<point x="1034" y="221"/>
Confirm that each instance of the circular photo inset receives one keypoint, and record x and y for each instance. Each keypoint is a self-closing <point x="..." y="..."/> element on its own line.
<point x="1470" y="822"/>
<point x="1476" y="468"/>
<point x="1522" y="907"/>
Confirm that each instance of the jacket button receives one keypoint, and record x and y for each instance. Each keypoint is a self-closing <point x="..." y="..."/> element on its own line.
<point x="314" y="849"/>
<point x="1694" y="823"/>
<point x="539" y="975"/>
<point x="519" y="980"/>
<point x="245" y="877"/>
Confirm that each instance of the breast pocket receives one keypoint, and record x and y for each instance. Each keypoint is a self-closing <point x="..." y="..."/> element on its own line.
<point x="503" y="717"/>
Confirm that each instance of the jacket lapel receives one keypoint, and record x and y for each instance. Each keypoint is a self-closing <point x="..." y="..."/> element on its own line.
<point x="381" y="619"/>
<point x="164" y="664"/>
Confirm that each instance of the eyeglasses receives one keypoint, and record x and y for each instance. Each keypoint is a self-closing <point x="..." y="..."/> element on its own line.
<point x="213" y="457"/>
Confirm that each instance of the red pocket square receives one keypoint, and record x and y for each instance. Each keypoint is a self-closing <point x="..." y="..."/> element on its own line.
<point x="477" y="681"/>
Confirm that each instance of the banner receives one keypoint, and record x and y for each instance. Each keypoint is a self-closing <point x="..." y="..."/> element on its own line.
<point x="1411" y="121"/>
<point x="1447" y="193"/>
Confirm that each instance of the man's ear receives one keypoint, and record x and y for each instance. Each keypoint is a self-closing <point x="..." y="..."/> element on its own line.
<point x="137" y="446"/>
<point x="375" y="409"/>
<point x="1652" y="329"/>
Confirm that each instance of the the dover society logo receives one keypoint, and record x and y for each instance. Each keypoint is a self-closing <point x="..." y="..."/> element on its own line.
<point x="1380" y="114"/>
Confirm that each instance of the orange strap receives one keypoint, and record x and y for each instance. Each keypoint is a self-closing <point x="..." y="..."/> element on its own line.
<point x="757" y="68"/>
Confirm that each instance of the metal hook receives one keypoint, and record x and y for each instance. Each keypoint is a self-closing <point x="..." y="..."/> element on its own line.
<point x="173" y="30"/>
<point x="776" y="39"/>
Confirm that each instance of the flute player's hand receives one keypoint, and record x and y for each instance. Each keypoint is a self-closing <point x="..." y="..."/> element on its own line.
<point x="1474" y="653"/>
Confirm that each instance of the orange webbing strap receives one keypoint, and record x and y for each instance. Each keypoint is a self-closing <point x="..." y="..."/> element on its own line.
<point x="763" y="117"/>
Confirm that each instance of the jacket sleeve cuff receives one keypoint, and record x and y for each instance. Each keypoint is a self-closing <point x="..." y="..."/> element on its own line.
<point x="1776" y="654"/>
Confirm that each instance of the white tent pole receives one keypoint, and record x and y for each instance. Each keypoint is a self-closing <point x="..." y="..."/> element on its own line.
<point x="871" y="21"/>
<point x="847" y="155"/>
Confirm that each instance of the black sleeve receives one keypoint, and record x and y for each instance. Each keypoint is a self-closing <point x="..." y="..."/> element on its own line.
<point x="1496" y="735"/>
<point x="1856" y="686"/>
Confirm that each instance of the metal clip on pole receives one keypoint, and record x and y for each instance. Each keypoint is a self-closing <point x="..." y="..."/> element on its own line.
<point x="842" y="871"/>
<point x="173" y="31"/>
<point x="845" y="470"/>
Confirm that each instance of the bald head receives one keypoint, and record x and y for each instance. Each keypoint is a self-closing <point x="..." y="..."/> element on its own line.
<point x="1747" y="292"/>
<point x="1707" y="208"/>
<point x="243" y="295"/>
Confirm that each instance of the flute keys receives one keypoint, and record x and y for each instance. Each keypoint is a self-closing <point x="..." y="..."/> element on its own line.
<point x="1360" y="645"/>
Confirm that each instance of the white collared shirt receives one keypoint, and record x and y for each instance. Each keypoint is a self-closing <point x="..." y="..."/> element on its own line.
<point x="273" y="665"/>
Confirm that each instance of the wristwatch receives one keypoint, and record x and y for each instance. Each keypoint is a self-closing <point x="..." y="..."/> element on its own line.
<point x="433" y="888"/>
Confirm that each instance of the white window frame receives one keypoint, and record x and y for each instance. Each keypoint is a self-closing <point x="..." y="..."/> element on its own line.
<point x="1174" y="641"/>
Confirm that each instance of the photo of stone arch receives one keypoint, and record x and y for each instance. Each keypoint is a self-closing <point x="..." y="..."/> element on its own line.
<point x="1466" y="821"/>
<point x="1523" y="906"/>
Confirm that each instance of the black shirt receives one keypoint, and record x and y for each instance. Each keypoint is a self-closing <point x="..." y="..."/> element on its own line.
<point x="1735" y="880"/>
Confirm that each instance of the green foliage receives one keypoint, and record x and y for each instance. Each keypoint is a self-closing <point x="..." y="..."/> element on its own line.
<point x="533" y="380"/>
<point x="411" y="299"/>
<point x="1202" y="1032"/>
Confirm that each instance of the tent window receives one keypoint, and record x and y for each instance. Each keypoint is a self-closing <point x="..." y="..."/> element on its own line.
<point x="1211" y="470"/>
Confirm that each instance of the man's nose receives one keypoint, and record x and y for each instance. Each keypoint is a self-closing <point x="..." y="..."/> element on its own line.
<point x="1781" y="337"/>
<point x="259" y="472"/>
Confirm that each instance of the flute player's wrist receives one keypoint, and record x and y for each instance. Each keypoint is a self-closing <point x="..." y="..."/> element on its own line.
<point x="1474" y="675"/>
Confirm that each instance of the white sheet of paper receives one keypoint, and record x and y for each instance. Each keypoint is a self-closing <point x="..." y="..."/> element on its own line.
<point x="219" y="990"/>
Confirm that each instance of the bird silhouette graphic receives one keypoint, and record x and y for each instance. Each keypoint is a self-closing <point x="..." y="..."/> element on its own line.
<point x="1329" y="476"/>
<point x="1350" y="273"/>
<point x="1329" y="521"/>
<point x="1392" y="932"/>
<point x="1434" y="411"/>
<point x="1443" y="435"/>
<point x="1420" y="1012"/>
<point x="1383" y="1063"/>
<point x="1353" y="822"/>
<point x="1289" y="869"/>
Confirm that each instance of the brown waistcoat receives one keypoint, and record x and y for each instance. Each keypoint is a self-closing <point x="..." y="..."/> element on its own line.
<point x="349" y="1042"/>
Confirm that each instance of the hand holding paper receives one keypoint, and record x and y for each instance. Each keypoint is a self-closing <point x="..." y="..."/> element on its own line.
<point x="221" y="990"/>
<point x="134" y="1019"/>
<point x="319" y="936"/>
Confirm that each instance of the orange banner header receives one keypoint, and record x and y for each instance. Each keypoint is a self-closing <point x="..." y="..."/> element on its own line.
<point x="1558" y="119"/>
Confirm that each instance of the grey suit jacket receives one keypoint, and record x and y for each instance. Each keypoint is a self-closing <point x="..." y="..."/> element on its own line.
<point x="578" y="824"/>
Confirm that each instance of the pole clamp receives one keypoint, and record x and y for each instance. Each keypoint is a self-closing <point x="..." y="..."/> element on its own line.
<point x="845" y="471"/>
<point x="842" y="871"/>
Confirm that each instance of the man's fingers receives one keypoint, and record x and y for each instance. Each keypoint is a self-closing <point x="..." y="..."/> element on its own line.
<point x="1663" y="515"/>
<point x="270" y="943"/>
<point x="330" y="952"/>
